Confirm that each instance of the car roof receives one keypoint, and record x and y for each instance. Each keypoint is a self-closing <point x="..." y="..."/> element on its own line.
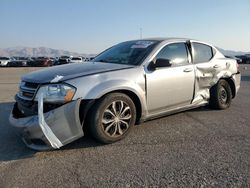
<point x="166" y="39"/>
<point x="177" y="39"/>
<point x="173" y="39"/>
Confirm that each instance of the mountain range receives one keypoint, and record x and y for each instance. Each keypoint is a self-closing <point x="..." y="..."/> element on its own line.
<point x="49" y="52"/>
<point x="35" y="52"/>
<point x="231" y="52"/>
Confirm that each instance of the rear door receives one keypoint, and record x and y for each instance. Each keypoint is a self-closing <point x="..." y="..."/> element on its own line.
<point x="206" y="70"/>
<point x="171" y="87"/>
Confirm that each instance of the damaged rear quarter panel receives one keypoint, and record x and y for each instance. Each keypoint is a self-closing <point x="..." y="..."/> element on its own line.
<point x="208" y="74"/>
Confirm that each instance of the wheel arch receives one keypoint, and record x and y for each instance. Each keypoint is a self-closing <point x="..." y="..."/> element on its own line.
<point x="231" y="84"/>
<point x="133" y="97"/>
<point x="86" y="105"/>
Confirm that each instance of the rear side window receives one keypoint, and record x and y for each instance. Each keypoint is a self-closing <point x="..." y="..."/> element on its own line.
<point x="176" y="53"/>
<point x="202" y="53"/>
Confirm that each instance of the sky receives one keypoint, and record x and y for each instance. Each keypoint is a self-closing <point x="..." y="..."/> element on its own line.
<point x="90" y="26"/>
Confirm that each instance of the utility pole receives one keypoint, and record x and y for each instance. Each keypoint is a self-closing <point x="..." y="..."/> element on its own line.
<point x="140" y="33"/>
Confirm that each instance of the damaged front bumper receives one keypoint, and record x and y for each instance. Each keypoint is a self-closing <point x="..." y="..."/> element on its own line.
<point x="50" y="130"/>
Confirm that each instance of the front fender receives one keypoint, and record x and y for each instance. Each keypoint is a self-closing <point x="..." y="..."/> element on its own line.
<point x="119" y="85"/>
<point x="97" y="85"/>
<point x="114" y="85"/>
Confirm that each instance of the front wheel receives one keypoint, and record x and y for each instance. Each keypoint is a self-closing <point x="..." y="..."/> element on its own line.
<point x="112" y="117"/>
<point x="220" y="95"/>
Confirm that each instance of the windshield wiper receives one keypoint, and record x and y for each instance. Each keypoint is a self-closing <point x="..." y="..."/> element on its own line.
<point x="109" y="60"/>
<point x="103" y="60"/>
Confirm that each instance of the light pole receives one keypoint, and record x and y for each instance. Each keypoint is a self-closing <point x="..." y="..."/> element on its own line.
<point x="140" y="33"/>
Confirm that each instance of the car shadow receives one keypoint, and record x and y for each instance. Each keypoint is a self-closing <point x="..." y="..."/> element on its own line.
<point x="85" y="142"/>
<point x="202" y="108"/>
<point x="88" y="141"/>
<point x="12" y="147"/>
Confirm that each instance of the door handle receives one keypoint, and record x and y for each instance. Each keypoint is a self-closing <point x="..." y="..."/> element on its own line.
<point x="216" y="66"/>
<point x="188" y="70"/>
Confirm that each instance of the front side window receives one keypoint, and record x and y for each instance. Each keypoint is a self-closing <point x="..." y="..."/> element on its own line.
<point x="129" y="53"/>
<point x="202" y="53"/>
<point x="176" y="53"/>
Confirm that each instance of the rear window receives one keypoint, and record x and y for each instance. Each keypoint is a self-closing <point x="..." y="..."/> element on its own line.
<point x="202" y="52"/>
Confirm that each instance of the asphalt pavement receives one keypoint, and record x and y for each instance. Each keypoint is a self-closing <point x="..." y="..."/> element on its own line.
<point x="196" y="148"/>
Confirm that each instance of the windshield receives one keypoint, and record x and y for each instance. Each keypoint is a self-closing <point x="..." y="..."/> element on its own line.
<point x="130" y="53"/>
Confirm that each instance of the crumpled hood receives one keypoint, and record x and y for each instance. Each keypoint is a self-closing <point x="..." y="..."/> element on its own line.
<point x="70" y="71"/>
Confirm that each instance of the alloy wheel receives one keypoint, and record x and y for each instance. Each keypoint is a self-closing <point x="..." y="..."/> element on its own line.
<point x="116" y="118"/>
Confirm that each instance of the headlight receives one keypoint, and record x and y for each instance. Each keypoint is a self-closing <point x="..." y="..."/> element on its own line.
<point x="56" y="93"/>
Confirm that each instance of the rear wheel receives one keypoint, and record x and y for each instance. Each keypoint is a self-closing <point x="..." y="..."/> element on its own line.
<point x="112" y="117"/>
<point x="220" y="95"/>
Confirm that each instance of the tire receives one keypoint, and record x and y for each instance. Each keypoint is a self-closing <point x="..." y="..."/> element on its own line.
<point x="220" y="95"/>
<point x="112" y="118"/>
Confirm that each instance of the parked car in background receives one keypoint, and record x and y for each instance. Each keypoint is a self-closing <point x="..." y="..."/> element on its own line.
<point x="76" y="60"/>
<point x="53" y="60"/>
<point x="239" y="60"/>
<point x="248" y="58"/>
<point x="129" y="83"/>
<point x="40" y="62"/>
<point x="245" y="58"/>
<point x="63" y="60"/>
<point x="19" y="62"/>
<point x="83" y="58"/>
<point x="89" y="58"/>
<point x="4" y="61"/>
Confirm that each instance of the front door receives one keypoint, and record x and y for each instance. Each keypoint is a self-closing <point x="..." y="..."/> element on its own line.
<point x="171" y="87"/>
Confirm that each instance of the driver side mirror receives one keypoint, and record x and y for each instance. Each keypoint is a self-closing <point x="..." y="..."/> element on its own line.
<point x="160" y="63"/>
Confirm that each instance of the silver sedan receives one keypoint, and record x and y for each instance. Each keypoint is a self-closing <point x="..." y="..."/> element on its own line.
<point x="129" y="83"/>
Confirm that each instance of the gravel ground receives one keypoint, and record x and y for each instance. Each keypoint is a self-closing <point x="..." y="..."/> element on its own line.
<point x="196" y="148"/>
